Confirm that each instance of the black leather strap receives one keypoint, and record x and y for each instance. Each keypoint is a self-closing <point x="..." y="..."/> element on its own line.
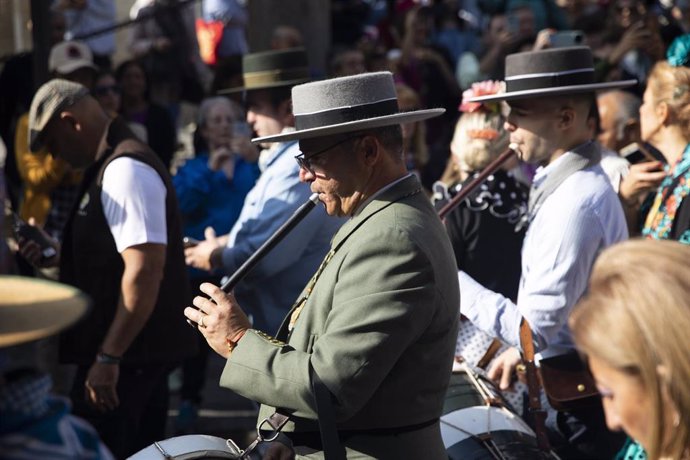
<point x="330" y="441"/>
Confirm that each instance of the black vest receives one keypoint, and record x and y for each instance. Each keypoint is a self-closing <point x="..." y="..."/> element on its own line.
<point x="90" y="261"/>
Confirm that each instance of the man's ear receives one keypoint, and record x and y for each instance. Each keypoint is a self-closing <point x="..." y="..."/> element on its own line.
<point x="566" y="117"/>
<point x="285" y="112"/>
<point x="371" y="148"/>
<point x="71" y="120"/>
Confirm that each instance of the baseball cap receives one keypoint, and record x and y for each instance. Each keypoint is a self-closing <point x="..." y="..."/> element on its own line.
<point x="66" y="57"/>
<point x="51" y="98"/>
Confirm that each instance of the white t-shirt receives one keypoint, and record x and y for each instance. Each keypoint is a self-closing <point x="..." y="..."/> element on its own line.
<point x="133" y="200"/>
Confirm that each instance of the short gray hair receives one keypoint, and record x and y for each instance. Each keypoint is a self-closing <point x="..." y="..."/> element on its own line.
<point x="209" y="102"/>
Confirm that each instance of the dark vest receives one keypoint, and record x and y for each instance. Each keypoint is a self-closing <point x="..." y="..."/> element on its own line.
<point x="90" y="261"/>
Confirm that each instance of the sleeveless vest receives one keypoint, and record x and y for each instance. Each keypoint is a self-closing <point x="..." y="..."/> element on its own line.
<point x="89" y="260"/>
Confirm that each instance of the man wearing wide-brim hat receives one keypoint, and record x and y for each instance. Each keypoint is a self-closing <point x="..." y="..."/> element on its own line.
<point x="274" y="283"/>
<point x="377" y="322"/>
<point x="573" y="214"/>
<point x="35" y="423"/>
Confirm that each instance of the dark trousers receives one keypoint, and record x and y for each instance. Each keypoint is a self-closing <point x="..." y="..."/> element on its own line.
<point x="582" y="434"/>
<point x="140" y="418"/>
<point x="194" y="373"/>
<point x="194" y="367"/>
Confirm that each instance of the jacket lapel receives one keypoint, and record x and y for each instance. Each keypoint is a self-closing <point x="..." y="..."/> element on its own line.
<point x="407" y="187"/>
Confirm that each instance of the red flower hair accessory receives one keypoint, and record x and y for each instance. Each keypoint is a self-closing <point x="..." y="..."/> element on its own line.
<point x="482" y="88"/>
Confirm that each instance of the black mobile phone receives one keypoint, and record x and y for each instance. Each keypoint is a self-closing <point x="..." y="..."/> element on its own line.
<point x="189" y="242"/>
<point x="639" y="153"/>
<point x="24" y="231"/>
<point x="565" y="38"/>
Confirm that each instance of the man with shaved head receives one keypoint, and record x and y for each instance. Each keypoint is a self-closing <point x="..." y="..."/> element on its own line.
<point x="619" y="119"/>
<point x="122" y="245"/>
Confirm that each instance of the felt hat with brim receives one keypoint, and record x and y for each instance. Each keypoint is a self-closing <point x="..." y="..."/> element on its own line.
<point x="346" y="104"/>
<point x="31" y="309"/>
<point x="550" y="72"/>
<point x="272" y="69"/>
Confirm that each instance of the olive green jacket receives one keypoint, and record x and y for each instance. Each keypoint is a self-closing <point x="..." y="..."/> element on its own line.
<point x="379" y="327"/>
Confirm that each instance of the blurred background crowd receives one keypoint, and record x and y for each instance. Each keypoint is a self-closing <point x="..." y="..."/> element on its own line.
<point x="160" y="65"/>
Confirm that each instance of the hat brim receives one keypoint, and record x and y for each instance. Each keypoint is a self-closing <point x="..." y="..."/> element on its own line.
<point x="557" y="91"/>
<point x="279" y="84"/>
<point x="32" y="309"/>
<point x="69" y="67"/>
<point x="350" y="126"/>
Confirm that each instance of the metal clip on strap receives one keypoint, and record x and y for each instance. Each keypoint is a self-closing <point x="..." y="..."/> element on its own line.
<point x="276" y="422"/>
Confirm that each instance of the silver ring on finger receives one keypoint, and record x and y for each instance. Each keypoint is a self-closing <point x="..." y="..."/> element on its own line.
<point x="201" y="321"/>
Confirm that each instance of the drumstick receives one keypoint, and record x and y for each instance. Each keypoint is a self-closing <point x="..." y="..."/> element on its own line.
<point x="486" y="172"/>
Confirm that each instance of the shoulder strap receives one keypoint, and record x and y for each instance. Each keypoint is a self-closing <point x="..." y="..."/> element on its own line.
<point x="533" y="387"/>
<point x="585" y="155"/>
<point x="330" y="441"/>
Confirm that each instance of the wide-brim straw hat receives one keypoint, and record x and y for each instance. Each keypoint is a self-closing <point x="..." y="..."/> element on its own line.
<point x="551" y="72"/>
<point x="272" y="69"/>
<point x="346" y="104"/>
<point x="31" y="309"/>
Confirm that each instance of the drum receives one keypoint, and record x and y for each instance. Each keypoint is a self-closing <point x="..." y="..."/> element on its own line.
<point x="190" y="447"/>
<point x="479" y="424"/>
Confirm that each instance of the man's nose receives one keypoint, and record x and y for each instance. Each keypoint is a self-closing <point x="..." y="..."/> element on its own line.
<point x="508" y="126"/>
<point x="305" y="175"/>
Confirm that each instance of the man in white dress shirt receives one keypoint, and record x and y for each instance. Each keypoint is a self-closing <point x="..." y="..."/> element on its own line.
<point x="573" y="214"/>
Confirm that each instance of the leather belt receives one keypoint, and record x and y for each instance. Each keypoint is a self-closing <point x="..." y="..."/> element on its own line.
<point x="312" y="439"/>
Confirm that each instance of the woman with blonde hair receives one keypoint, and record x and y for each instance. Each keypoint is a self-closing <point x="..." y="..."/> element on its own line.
<point x="485" y="229"/>
<point x="665" y="123"/>
<point x="632" y="327"/>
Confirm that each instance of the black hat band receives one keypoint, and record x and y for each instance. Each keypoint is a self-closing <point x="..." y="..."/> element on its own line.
<point x="549" y="80"/>
<point x="346" y="114"/>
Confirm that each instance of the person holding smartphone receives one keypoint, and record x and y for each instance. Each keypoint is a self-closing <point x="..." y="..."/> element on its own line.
<point x="211" y="188"/>
<point x="665" y="123"/>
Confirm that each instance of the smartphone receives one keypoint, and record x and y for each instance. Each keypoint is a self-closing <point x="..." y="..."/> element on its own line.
<point x="565" y="38"/>
<point x="24" y="231"/>
<point x="639" y="153"/>
<point x="189" y="242"/>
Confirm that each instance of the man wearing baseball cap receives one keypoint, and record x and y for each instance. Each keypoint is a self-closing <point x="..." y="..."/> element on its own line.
<point x="49" y="183"/>
<point x="123" y="246"/>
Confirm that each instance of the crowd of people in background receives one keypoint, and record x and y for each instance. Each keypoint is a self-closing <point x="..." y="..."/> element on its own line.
<point x="231" y="194"/>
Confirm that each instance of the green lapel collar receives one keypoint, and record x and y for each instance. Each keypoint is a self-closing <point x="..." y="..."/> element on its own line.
<point x="406" y="187"/>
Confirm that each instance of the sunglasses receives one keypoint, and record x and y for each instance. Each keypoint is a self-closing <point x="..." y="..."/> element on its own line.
<point x="103" y="90"/>
<point x="306" y="162"/>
